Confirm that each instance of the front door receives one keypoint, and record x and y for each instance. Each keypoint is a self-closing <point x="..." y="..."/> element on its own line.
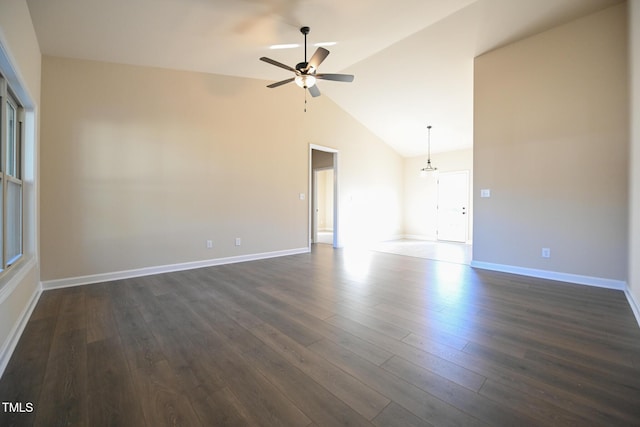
<point x="453" y="206"/>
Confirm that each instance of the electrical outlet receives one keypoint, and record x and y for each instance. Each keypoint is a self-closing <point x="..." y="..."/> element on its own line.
<point x="238" y="241"/>
<point x="209" y="244"/>
<point x="546" y="253"/>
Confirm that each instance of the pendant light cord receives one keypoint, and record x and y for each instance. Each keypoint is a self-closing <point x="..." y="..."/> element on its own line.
<point x="429" y="144"/>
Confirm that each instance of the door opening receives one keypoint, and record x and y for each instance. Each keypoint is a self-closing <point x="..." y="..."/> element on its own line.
<point x="323" y="203"/>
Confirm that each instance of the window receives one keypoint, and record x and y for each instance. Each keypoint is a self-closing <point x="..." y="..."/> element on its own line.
<point x="11" y="142"/>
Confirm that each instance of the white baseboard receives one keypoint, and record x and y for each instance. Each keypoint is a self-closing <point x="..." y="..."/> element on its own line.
<point x="147" y="271"/>
<point x="419" y="237"/>
<point x="633" y="303"/>
<point x="16" y="332"/>
<point x="553" y="275"/>
<point x="433" y="239"/>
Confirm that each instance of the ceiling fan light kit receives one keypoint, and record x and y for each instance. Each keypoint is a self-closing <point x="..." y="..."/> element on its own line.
<point x="305" y="81"/>
<point x="305" y="72"/>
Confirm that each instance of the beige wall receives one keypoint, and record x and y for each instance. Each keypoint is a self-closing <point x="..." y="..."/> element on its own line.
<point x="140" y="166"/>
<point x="16" y="30"/>
<point x="370" y="191"/>
<point x="551" y="142"/>
<point x="634" y="246"/>
<point x="421" y="192"/>
<point x="20" y="63"/>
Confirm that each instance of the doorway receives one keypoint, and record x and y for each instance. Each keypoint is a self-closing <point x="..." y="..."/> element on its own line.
<point x="323" y="203"/>
<point x="453" y="206"/>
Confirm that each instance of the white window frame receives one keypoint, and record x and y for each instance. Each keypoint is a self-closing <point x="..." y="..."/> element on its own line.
<point x="7" y="98"/>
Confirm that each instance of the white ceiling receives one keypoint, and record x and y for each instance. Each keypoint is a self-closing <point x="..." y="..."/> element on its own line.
<point x="412" y="59"/>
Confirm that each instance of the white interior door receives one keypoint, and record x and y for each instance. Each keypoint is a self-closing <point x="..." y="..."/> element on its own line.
<point x="453" y="206"/>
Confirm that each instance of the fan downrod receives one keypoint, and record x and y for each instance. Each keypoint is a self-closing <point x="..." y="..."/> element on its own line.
<point x="305" y="31"/>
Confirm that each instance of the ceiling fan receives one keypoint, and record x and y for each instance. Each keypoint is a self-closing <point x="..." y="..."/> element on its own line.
<point x="306" y="72"/>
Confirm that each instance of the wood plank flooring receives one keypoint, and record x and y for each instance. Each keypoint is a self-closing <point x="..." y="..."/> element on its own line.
<point x="330" y="338"/>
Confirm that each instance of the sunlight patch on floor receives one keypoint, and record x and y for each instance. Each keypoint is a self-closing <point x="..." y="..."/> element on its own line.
<point x="459" y="253"/>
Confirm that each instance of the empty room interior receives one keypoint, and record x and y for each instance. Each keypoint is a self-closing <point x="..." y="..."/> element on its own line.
<point x="318" y="213"/>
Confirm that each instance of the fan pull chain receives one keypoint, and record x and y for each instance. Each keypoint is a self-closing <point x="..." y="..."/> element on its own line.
<point x="305" y="100"/>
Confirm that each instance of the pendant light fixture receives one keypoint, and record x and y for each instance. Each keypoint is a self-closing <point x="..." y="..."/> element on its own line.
<point x="429" y="168"/>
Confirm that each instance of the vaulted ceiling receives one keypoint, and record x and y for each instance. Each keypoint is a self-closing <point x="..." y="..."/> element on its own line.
<point x="412" y="59"/>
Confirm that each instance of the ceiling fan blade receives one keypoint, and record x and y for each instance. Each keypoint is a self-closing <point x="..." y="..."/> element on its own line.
<point x="276" y="63"/>
<point x="317" y="58"/>
<point x="280" y="83"/>
<point x="314" y="91"/>
<point x="335" y="77"/>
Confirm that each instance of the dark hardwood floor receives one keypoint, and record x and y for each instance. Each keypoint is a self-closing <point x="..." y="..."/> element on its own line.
<point x="334" y="337"/>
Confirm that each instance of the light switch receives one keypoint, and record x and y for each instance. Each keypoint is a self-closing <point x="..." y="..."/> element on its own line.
<point x="301" y="196"/>
<point x="485" y="192"/>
